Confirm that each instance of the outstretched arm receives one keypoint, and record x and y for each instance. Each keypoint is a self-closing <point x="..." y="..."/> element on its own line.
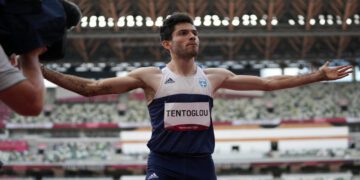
<point x="88" y="87"/>
<point x="241" y="82"/>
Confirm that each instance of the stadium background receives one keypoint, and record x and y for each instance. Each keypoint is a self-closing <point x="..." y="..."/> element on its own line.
<point x="310" y="132"/>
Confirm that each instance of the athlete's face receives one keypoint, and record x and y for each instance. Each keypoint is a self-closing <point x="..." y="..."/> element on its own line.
<point x="185" y="41"/>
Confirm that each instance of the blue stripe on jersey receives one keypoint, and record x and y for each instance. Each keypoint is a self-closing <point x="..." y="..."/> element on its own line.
<point x="179" y="142"/>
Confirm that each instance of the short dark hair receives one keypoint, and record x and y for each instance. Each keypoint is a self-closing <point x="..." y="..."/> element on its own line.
<point x="169" y="24"/>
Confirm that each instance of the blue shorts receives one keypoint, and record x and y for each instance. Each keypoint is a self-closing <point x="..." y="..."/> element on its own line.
<point x="177" y="167"/>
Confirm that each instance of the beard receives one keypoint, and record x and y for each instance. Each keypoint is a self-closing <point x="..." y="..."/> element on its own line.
<point x="187" y="53"/>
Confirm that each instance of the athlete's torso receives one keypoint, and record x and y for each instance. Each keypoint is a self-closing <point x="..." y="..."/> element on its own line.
<point x="181" y="114"/>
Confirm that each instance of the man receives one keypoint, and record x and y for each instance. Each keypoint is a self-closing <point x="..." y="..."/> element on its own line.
<point x="22" y="92"/>
<point x="180" y="98"/>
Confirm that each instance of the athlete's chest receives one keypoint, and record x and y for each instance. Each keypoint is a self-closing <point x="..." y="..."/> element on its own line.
<point x="196" y="85"/>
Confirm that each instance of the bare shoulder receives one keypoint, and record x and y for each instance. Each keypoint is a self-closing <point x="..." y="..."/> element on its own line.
<point x="217" y="72"/>
<point x="145" y="71"/>
<point x="217" y="76"/>
<point x="149" y="76"/>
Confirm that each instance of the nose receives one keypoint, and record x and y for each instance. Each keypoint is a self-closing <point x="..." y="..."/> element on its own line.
<point x="192" y="36"/>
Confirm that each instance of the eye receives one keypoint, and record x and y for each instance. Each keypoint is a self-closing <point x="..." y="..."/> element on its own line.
<point x="182" y="33"/>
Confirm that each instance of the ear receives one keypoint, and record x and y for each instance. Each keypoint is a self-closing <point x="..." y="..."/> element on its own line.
<point x="166" y="44"/>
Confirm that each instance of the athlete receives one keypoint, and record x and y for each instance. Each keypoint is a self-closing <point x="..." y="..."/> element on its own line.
<point x="180" y="99"/>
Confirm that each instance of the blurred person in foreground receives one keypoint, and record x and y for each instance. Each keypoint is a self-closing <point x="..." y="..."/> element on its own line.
<point x="26" y="28"/>
<point x="22" y="91"/>
<point x="180" y="99"/>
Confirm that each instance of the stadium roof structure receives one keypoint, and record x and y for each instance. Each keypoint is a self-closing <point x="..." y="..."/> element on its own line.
<point x="121" y="31"/>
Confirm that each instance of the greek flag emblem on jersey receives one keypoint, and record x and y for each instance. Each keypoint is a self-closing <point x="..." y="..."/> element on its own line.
<point x="202" y="83"/>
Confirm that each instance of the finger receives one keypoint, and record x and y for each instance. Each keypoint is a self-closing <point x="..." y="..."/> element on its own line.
<point x="347" y="72"/>
<point x="12" y="56"/>
<point x="13" y="60"/>
<point x="40" y="50"/>
<point x="345" y="68"/>
<point x="342" y="76"/>
<point x="327" y="63"/>
<point x="340" y="67"/>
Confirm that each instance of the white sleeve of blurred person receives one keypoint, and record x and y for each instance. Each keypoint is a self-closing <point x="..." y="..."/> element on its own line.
<point x="22" y="91"/>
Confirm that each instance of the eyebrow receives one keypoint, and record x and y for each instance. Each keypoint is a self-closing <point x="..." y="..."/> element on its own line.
<point x="192" y="30"/>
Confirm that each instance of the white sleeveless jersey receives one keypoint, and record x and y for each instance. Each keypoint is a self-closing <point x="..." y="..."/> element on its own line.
<point x="174" y="84"/>
<point x="181" y="114"/>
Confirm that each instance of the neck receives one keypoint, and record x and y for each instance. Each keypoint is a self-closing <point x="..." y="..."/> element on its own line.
<point x="182" y="67"/>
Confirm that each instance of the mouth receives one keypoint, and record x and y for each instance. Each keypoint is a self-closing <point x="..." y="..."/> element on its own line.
<point x="191" y="44"/>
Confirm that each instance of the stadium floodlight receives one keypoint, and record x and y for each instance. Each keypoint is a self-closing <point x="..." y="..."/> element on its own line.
<point x="149" y="22"/>
<point x="322" y="21"/>
<point x="102" y="21"/>
<point x="301" y="22"/>
<point x="274" y="21"/>
<point x="225" y="22"/>
<point x="139" y="18"/>
<point x="159" y="21"/>
<point x="253" y="17"/>
<point x="139" y="23"/>
<point x="207" y="22"/>
<point x="110" y="22"/>
<point x="253" y="22"/>
<point x="330" y="22"/>
<point x="121" y="21"/>
<point x="338" y="21"/>
<point x="217" y="22"/>
<point x="263" y="22"/>
<point x="301" y="17"/>
<point x="197" y="21"/>
<point x="357" y="21"/>
<point x="84" y="21"/>
<point x="246" y="22"/>
<point x="129" y="18"/>
<point x="236" y="21"/>
<point x="131" y="23"/>
<point x="291" y="22"/>
<point x="245" y="17"/>
<point x="207" y="17"/>
<point x="84" y="24"/>
<point x="348" y="21"/>
<point x="215" y="17"/>
<point x="93" y="21"/>
<point x="312" y="22"/>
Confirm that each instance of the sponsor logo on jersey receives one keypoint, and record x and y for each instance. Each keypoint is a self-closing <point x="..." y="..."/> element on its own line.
<point x="168" y="81"/>
<point x="153" y="176"/>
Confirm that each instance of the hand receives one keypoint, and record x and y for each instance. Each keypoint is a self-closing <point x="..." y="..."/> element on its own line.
<point x="333" y="73"/>
<point x="36" y="52"/>
<point x="32" y="55"/>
